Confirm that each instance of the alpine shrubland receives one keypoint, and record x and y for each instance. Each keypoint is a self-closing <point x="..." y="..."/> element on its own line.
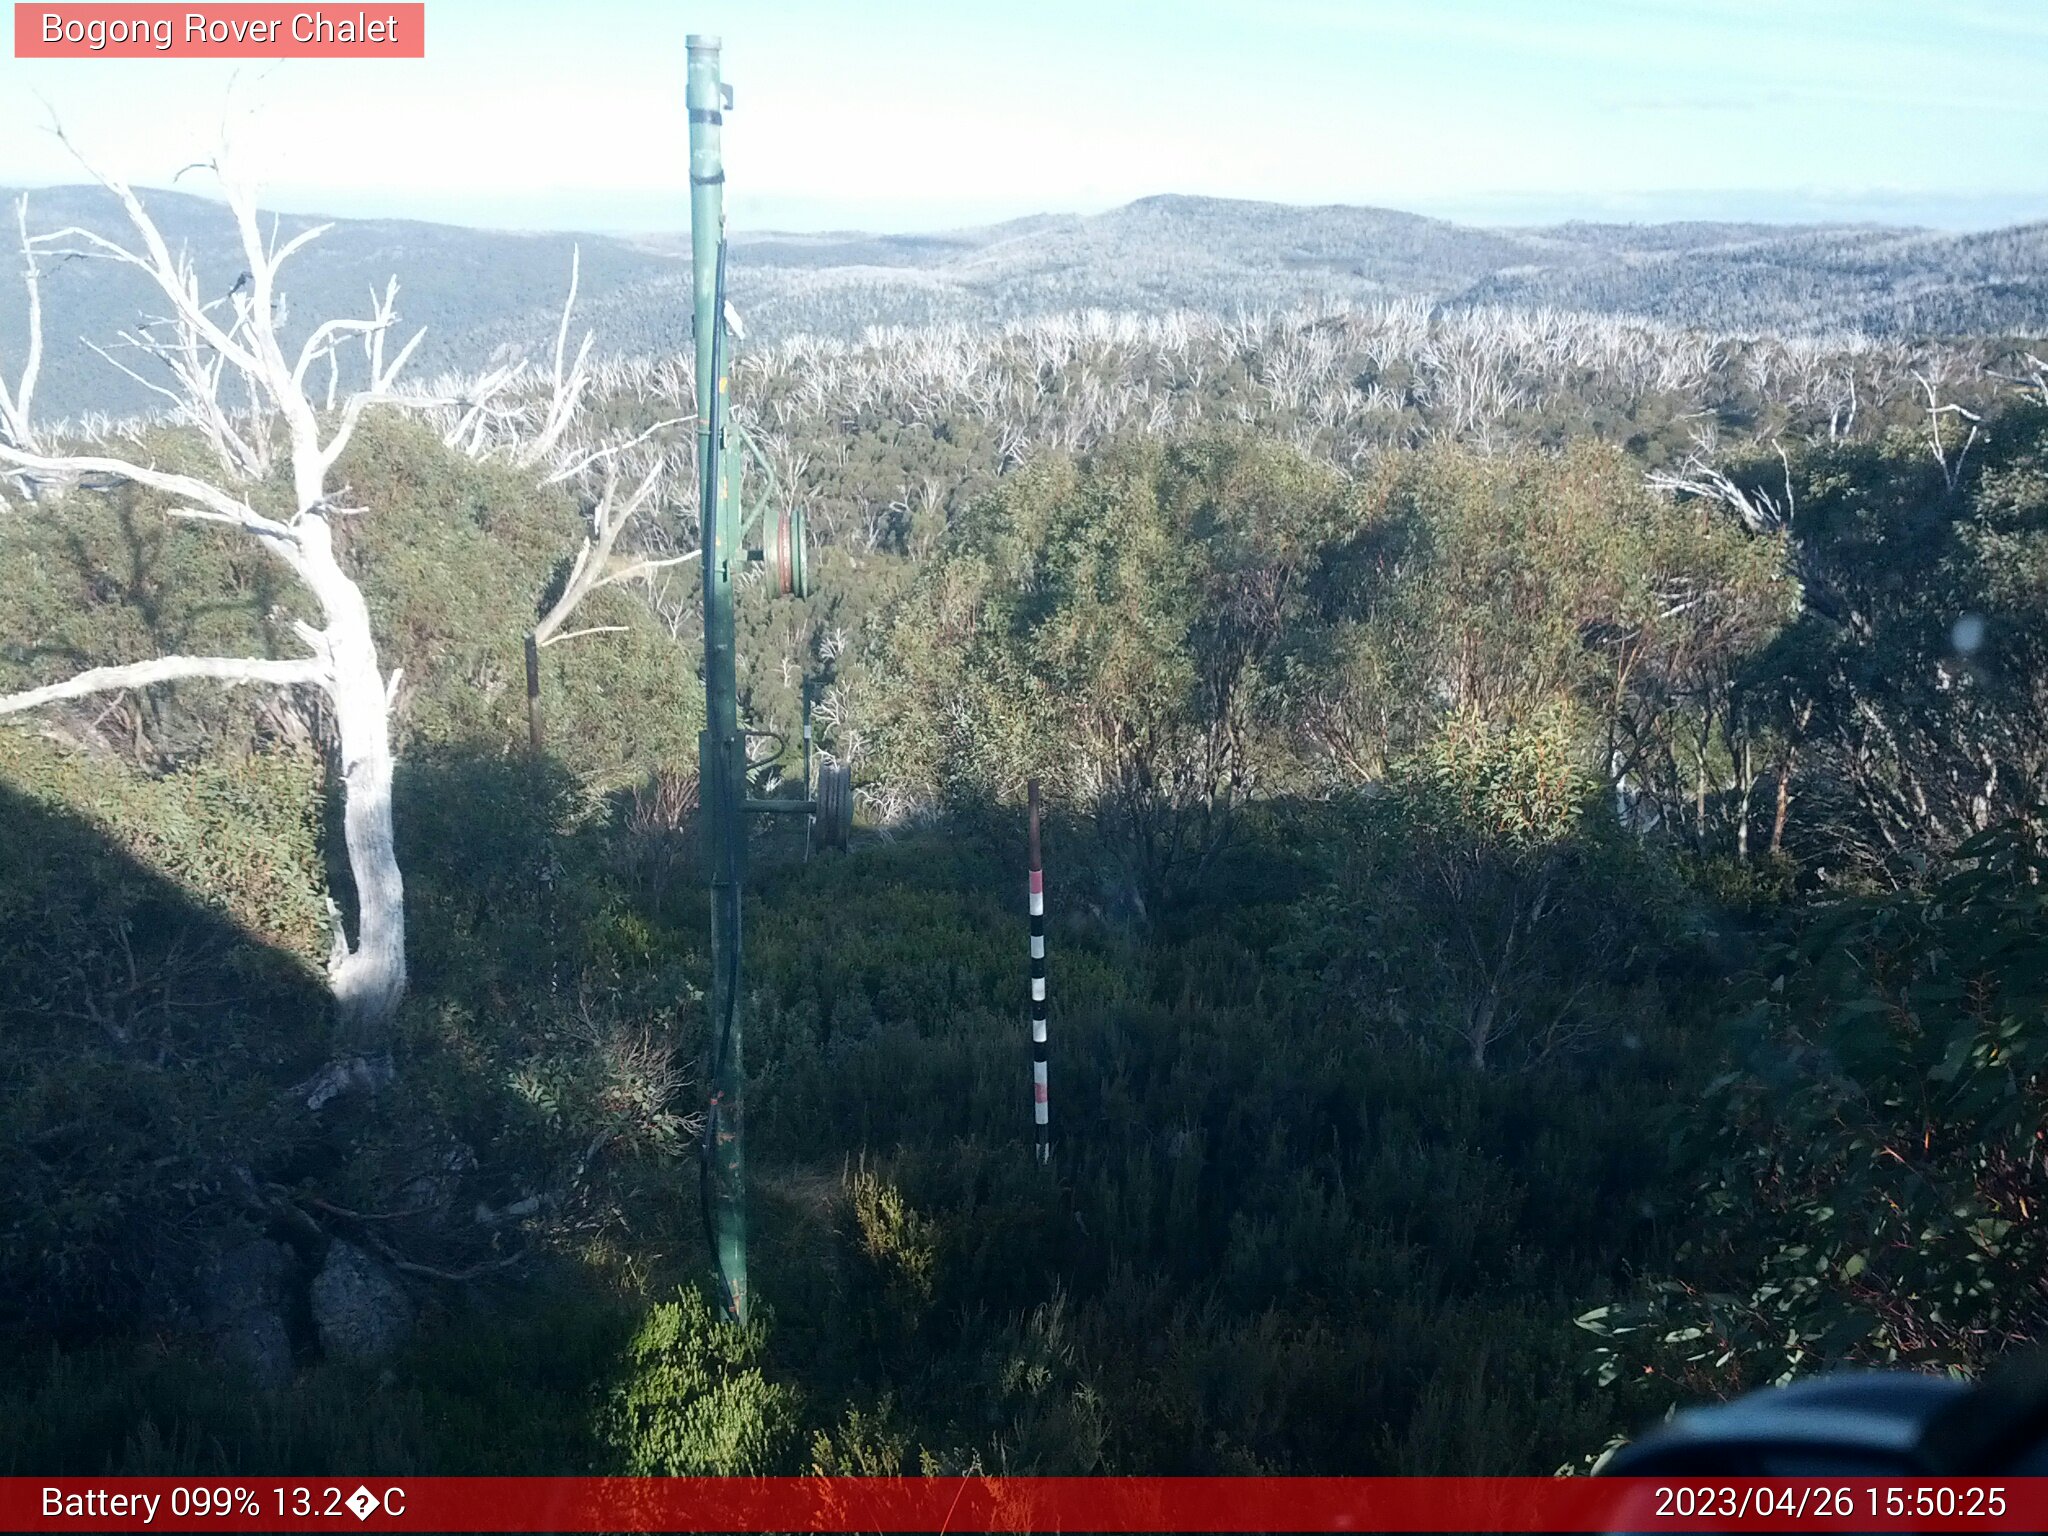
<point x="1441" y="813"/>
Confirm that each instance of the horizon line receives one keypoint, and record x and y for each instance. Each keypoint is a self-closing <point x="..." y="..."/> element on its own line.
<point x="1607" y="208"/>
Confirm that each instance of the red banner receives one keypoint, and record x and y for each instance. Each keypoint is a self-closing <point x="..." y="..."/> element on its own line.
<point x="1107" y="1504"/>
<point x="64" y="31"/>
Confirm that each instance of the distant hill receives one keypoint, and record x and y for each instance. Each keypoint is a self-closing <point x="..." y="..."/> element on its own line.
<point x="488" y="293"/>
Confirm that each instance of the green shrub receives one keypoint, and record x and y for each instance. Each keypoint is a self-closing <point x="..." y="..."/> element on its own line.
<point x="1872" y="1161"/>
<point x="694" y="1401"/>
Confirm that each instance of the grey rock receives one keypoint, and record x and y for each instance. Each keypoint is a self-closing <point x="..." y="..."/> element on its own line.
<point x="260" y="1344"/>
<point x="364" y="1074"/>
<point x="248" y="1277"/>
<point x="242" y="1294"/>
<point x="359" y="1307"/>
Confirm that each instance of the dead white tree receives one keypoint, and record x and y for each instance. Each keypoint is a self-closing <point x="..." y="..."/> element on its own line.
<point x="1760" y="511"/>
<point x="570" y="384"/>
<point x="206" y="345"/>
<point x="1940" y="444"/>
<point x="514" y="413"/>
<point x="16" y="428"/>
<point x="597" y="564"/>
<point x="2030" y="377"/>
<point x="477" y="411"/>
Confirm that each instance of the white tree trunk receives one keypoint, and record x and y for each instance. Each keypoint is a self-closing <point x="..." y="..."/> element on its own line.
<point x="368" y="976"/>
<point x="238" y="338"/>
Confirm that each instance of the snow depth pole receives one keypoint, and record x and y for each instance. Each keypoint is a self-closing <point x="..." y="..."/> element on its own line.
<point x="721" y="749"/>
<point x="1041" y="1108"/>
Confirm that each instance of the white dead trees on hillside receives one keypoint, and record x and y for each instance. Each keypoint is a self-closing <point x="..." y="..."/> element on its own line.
<point x="512" y="415"/>
<point x="598" y="562"/>
<point x="1347" y="378"/>
<point x="16" y="429"/>
<point x="497" y="414"/>
<point x="570" y="384"/>
<point x="1760" y="511"/>
<point x="225" y="346"/>
<point x="1949" y="455"/>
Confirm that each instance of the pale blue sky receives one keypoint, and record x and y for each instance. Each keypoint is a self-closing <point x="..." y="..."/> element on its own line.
<point x="914" y="114"/>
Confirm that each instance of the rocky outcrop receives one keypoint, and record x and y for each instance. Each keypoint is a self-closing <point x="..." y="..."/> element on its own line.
<point x="359" y="1309"/>
<point x="243" y="1295"/>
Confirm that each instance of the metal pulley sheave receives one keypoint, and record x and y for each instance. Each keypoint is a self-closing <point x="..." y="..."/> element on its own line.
<point x="789" y="554"/>
<point x="834" y="824"/>
<point x="784" y="536"/>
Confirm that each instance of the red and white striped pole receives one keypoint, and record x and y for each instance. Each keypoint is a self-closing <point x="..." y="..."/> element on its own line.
<point x="1040" y="1105"/>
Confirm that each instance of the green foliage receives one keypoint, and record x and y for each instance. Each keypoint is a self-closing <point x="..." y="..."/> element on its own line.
<point x="240" y="833"/>
<point x="1520" y="588"/>
<point x="1245" y="1151"/>
<point x="1348" y="1129"/>
<point x="1872" y="1162"/>
<point x="1321" y="1211"/>
<point x="895" y="1238"/>
<point x="1909" y="695"/>
<point x="455" y="562"/>
<point x="166" y="920"/>
<point x="1486" y="897"/>
<point x="1756" y="888"/>
<point x="1162" y="634"/>
<point x="865" y="1443"/>
<point x="1523" y="787"/>
<point x="101" y="578"/>
<point x="1108" y="627"/>
<point x="695" y="1402"/>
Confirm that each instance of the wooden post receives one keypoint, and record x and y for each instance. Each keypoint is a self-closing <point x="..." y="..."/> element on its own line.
<point x="536" y="733"/>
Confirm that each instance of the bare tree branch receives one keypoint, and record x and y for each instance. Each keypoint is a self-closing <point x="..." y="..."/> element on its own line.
<point x="569" y="387"/>
<point x="593" y="567"/>
<point x="1760" y="511"/>
<point x="578" y="634"/>
<point x="1937" y="444"/>
<point x="641" y="569"/>
<point x="220" y="504"/>
<point x="171" y="669"/>
<point x="610" y="450"/>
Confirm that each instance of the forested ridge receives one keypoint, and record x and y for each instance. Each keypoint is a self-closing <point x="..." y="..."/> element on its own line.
<point x="484" y="294"/>
<point x="1545" y="911"/>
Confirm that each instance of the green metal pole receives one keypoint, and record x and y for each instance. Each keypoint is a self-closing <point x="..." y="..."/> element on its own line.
<point x="721" y="749"/>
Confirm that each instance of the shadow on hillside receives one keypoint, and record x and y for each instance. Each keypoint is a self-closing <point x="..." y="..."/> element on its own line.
<point x="158" y="1172"/>
<point x="148" y="1040"/>
<point x="144" y="1036"/>
<point x="1241" y="1138"/>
